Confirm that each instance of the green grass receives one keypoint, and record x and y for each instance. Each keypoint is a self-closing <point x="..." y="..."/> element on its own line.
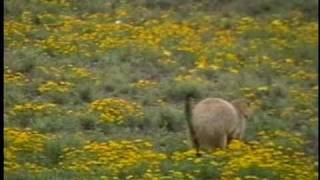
<point x="271" y="64"/>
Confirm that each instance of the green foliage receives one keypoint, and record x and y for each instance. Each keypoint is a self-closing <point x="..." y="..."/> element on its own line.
<point x="88" y="82"/>
<point x="171" y="119"/>
<point x="179" y="90"/>
<point x="258" y="172"/>
<point x="55" y="124"/>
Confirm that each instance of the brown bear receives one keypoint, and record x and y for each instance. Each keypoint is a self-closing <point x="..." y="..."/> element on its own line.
<point x="214" y="122"/>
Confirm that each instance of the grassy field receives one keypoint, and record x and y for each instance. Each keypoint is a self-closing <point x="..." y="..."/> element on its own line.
<point x="95" y="89"/>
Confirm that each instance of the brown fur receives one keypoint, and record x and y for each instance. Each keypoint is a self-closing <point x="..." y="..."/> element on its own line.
<point x="216" y="122"/>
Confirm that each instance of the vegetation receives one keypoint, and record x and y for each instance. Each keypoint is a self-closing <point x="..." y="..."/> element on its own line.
<point x="95" y="89"/>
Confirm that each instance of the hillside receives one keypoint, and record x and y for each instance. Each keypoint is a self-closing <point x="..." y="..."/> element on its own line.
<point x="95" y="89"/>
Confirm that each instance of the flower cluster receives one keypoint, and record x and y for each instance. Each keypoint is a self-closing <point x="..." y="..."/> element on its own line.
<point x="115" y="110"/>
<point x="15" y="78"/>
<point x="104" y="32"/>
<point x="33" y="108"/>
<point x="302" y="75"/>
<point x="254" y="160"/>
<point x="113" y="156"/>
<point x="51" y="86"/>
<point x="247" y="24"/>
<point x="16" y="33"/>
<point x="190" y="75"/>
<point x="68" y="71"/>
<point x="144" y="84"/>
<point x="19" y="142"/>
<point x="283" y="140"/>
<point x="271" y="161"/>
<point x="254" y="92"/>
<point x="63" y="3"/>
<point x="80" y="72"/>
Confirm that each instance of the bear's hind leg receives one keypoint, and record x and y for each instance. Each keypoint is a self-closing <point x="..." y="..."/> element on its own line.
<point x="220" y="141"/>
<point x="223" y="141"/>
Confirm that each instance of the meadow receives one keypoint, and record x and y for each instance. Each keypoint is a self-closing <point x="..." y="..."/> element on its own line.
<point x="95" y="89"/>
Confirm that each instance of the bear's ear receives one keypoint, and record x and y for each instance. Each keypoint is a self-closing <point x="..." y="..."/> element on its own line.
<point x="243" y="106"/>
<point x="250" y="109"/>
<point x="246" y="102"/>
<point x="241" y="103"/>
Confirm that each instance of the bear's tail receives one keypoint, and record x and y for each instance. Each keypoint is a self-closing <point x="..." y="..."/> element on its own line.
<point x="188" y="114"/>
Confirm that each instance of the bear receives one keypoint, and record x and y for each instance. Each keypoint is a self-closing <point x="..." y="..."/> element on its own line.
<point x="214" y="122"/>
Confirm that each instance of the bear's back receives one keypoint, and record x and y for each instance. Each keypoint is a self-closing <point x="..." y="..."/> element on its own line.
<point x="214" y="113"/>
